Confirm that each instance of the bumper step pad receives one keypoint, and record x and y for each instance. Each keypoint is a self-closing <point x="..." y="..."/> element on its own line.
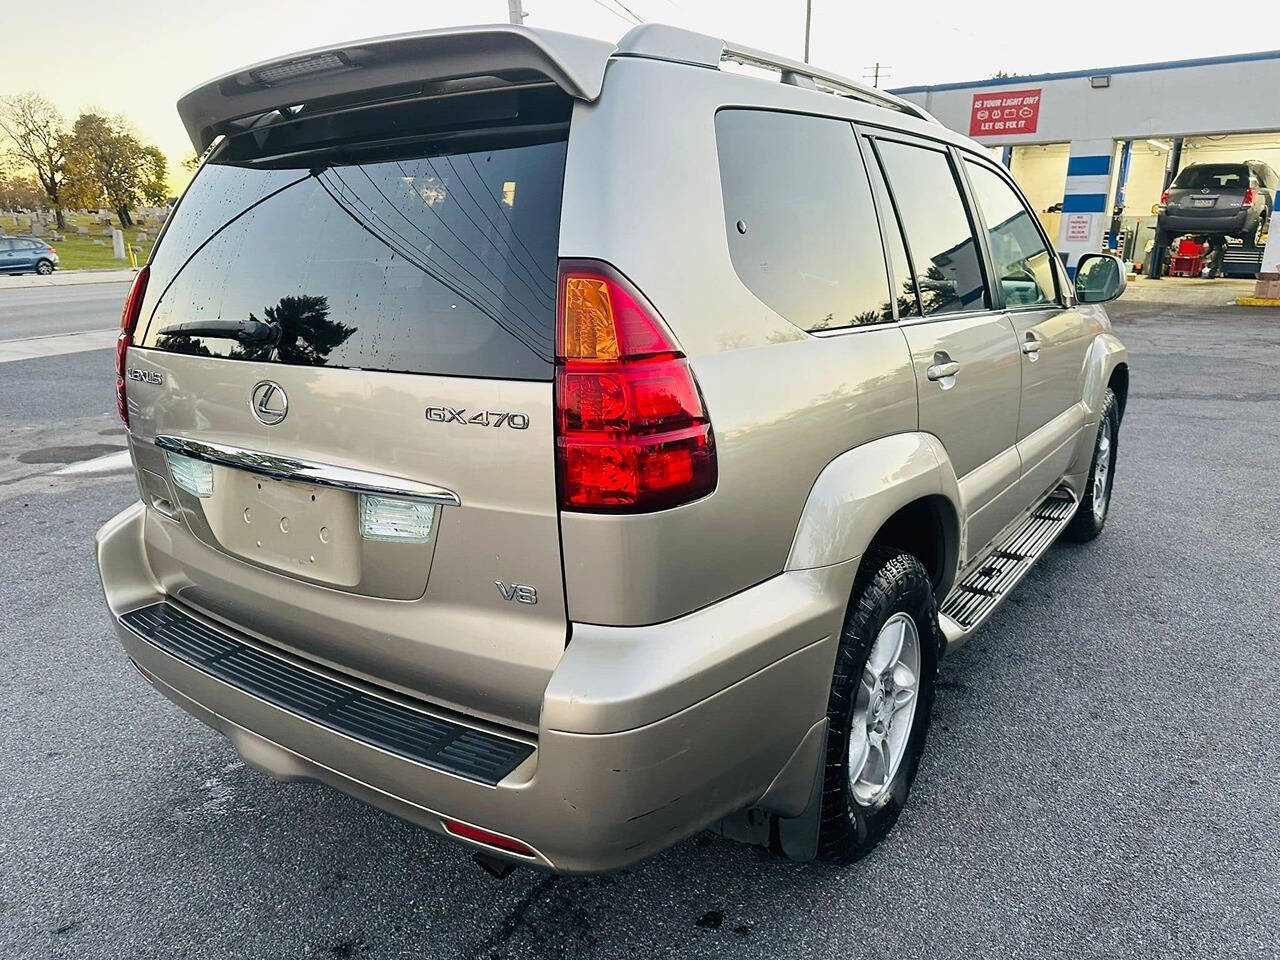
<point x="381" y="722"/>
<point x="973" y="600"/>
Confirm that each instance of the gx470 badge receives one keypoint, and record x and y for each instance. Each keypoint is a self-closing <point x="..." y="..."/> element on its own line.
<point x="484" y="418"/>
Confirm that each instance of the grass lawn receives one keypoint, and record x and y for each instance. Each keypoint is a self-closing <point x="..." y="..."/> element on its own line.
<point x="79" y="252"/>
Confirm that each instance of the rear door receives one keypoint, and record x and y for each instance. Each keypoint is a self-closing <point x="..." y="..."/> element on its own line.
<point x="964" y="351"/>
<point x="367" y="476"/>
<point x="1052" y="337"/>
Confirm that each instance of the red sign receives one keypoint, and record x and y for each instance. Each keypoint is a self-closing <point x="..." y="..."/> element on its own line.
<point x="1003" y="112"/>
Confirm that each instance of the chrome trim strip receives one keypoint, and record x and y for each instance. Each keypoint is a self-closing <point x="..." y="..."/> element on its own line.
<point x="306" y="471"/>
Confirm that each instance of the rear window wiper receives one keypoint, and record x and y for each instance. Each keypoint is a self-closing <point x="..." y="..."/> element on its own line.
<point x="243" y="331"/>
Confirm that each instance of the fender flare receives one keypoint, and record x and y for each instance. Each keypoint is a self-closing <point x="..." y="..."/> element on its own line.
<point x="862" y="488"/>
<point x="1105" y="354"/>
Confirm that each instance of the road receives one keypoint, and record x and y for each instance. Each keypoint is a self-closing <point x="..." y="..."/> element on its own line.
<point x="1100" y="779"/>
<point x="35" y="311"/>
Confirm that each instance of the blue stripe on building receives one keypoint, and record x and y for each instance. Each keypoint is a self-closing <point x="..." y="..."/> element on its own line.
<point x="1088" y="166"/>
<point x="1084" y="203"/>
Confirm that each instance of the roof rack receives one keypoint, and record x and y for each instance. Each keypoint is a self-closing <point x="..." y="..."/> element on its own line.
<point x="813" y="78"/>
<point x="659" y="41"/>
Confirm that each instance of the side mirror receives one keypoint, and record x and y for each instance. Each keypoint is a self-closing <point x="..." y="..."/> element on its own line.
<point x="1099" y="277"/>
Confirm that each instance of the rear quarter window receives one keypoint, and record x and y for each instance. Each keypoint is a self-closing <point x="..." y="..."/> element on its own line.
<point x="428" y="261"/>
<point x="799" y="218"/>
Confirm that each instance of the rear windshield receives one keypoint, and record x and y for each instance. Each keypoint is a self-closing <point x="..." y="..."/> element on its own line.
<point x="1216" y="176"/>
<point x="423" y="260"/>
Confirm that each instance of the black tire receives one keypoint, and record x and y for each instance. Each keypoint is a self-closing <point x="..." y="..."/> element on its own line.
<point x="44" y="268"/>
<point x="1259" y="232"/>
<point x="1089" y="519"/>
<point x="889" y="582"/>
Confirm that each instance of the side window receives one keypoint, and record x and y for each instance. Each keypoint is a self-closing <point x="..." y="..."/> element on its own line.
<point x="800" y="220"/>
<point x="1023" y="263"/>
<point x="943" y="249"/>
<point x="6" y="246"/>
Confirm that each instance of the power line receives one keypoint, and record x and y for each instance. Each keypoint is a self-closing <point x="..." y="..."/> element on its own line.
<point x="629" y="17"/>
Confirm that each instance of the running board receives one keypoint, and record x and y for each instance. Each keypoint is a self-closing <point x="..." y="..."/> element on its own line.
<point x="976" y="597"/>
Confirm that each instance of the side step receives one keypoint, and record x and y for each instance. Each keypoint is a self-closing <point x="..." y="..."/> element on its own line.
<point x="976" y="597"/>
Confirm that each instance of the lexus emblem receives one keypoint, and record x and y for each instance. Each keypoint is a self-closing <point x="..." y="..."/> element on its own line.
<point x="1204" y="189"/>
<point x="268" y="402"/>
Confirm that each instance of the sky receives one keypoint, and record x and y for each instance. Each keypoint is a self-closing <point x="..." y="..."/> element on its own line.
<point x="136" y="59"/>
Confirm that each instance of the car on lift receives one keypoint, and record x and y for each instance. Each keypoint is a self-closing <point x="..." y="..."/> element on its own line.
<point x="1220" y="199"/>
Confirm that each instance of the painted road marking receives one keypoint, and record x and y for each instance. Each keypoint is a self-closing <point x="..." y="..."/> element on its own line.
<point x="33" y="347"/>
<point x="110" y="463"/>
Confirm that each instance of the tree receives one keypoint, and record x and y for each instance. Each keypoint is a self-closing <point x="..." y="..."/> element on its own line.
<point x="37" y="136"/>
<point x="108" y="163"/>
<point x="19" y="192"/>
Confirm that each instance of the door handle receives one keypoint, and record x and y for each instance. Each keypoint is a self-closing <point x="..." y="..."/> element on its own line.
<point x="1031" y="347"/>
<point x="943" y="370"/>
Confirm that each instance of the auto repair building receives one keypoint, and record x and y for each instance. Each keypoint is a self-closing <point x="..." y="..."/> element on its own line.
<point x="1090" y="144"/>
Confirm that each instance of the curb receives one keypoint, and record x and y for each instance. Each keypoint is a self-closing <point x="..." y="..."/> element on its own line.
<point x="68" y="279"/>
<point x="1257" y="302"/>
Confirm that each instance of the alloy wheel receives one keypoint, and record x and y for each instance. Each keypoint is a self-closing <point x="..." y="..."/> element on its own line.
<point x="884" y="709"/>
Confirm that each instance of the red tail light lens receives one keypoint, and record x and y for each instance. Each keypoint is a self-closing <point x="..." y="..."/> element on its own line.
<point x="128" y="323"/>
<point x="633" y="433"/>
<point x="1248" y="197"/>
<point x="1164" y="197"/>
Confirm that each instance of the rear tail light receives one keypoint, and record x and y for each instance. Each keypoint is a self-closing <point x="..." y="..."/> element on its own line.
<point x="1164" y="197"/>
<point x="633" y="434"/>
<point x="128" y="324"/>
<point x="495" y="840"/>
<point x="1248" y="197"/>
<point x="51" y="249"/>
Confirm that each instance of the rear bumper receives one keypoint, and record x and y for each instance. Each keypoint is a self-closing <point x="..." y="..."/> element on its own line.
<point x="1241" y="221"/>
<point x="647" y="734"/>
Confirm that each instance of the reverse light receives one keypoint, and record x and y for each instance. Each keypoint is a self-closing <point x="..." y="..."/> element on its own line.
<point x="393" y="518"/>
<point x="633" y="434"/>
<point x="193" y="476"/>
<point x="128" y="324"/>
<point x="489" y="839"/>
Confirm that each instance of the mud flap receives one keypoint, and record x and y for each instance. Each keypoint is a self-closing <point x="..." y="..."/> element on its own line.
<point x="797" y="790"/>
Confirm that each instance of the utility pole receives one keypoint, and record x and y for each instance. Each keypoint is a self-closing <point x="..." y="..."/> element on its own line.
<point x="516" y="12"/>
<point x="808" y="22"/>
<point x="873" y="73"/>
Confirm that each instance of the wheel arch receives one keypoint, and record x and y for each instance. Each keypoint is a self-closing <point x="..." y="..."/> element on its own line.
<point x="897" y="491"/>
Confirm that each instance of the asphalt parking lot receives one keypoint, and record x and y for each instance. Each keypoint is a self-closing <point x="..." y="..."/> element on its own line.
<point x="1100" y="780"/>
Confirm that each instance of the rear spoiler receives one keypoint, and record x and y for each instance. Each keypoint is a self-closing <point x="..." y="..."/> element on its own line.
<point x="487" y="57"/>
<point x="365" y="68"/>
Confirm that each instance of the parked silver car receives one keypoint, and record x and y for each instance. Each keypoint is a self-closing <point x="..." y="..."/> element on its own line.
<point x="569" y="447"/>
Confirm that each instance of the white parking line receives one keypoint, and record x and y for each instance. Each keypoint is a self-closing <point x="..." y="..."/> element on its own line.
<point x="32" y="347"/>
<point x="111" y="463"/>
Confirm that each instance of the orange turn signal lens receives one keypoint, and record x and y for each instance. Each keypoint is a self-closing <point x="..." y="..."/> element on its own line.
<point x="589" y="330"/>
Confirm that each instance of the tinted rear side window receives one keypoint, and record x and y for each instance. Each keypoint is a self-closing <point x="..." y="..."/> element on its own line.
<point x="424" y="261"/>
<point x="801" y="224"/>
<point x="1215" y="176"/>
<point x="940" y="237"/>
